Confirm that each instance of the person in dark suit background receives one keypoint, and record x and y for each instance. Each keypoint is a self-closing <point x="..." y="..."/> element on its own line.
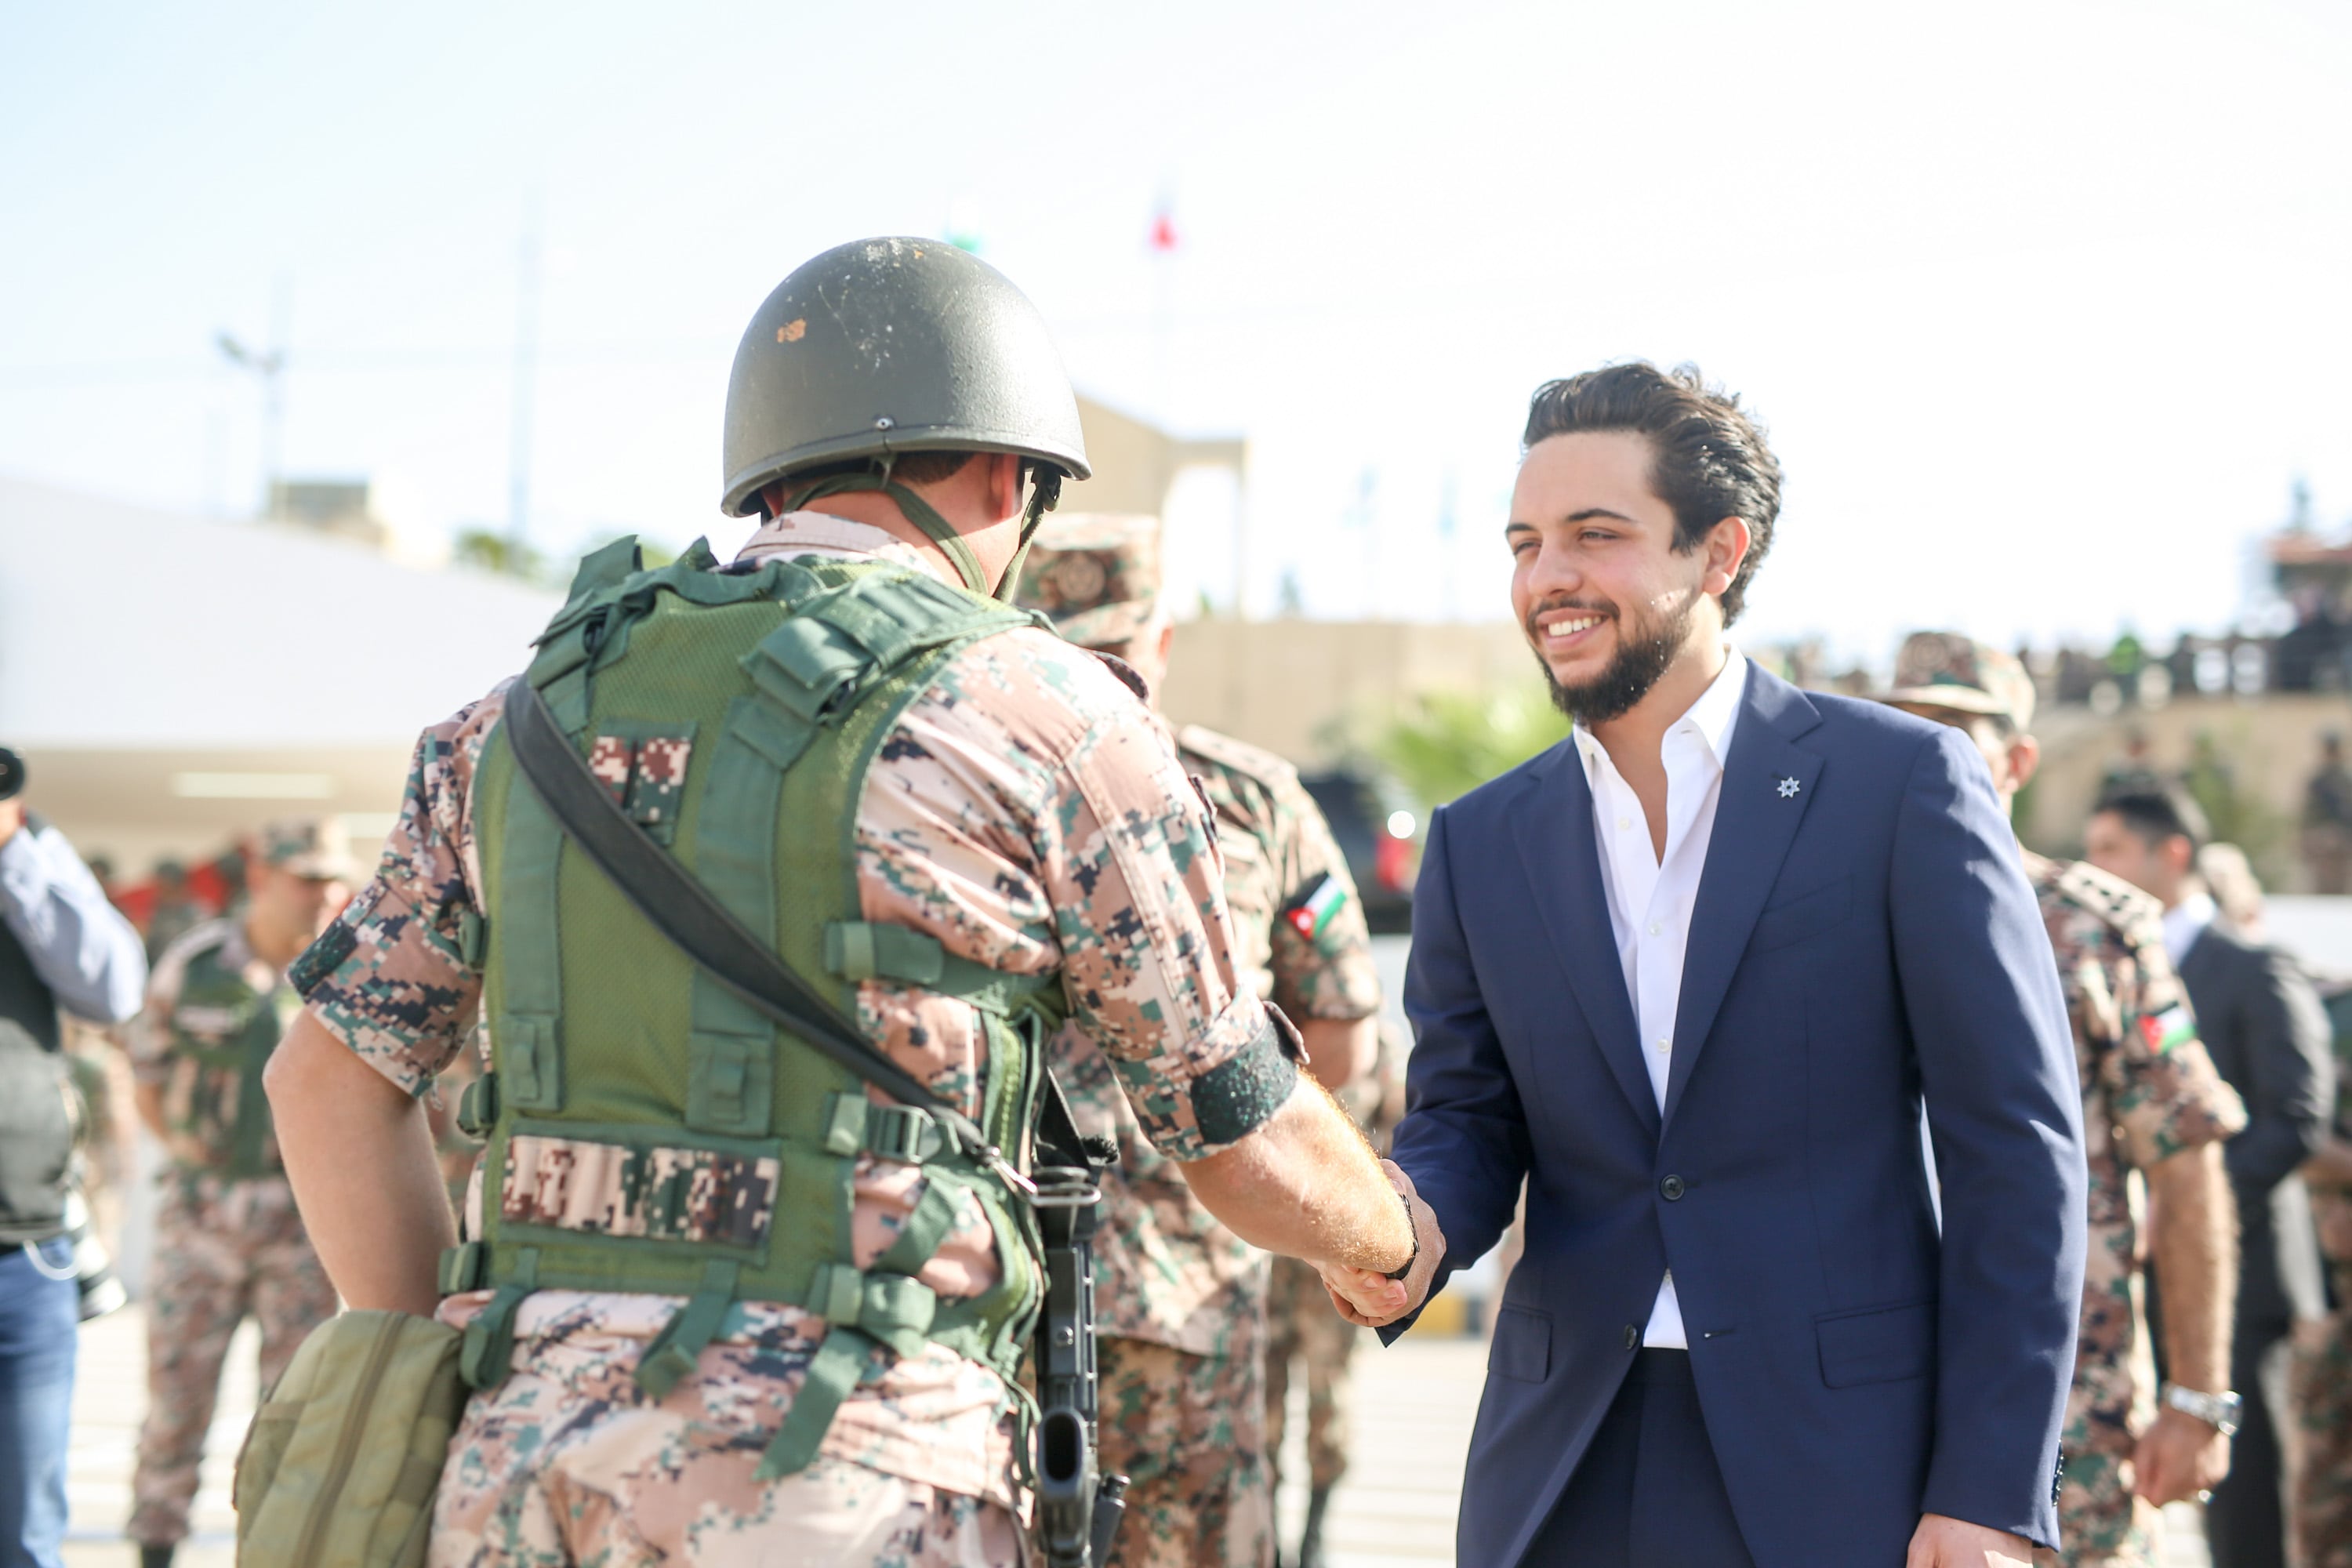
<point x="1689" y="974"/>
<point x="2268" y="1038"/>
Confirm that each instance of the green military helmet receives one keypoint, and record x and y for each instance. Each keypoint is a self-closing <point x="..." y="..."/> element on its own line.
<point x="885" y="346"/>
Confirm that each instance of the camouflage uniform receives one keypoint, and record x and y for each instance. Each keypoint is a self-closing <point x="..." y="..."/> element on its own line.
<point x="228" y="1242"/>
<point x="2320" y="1379"/>
<point x="1027" y="814"/>
<point x="1181" y="1300"/>
<point x="2149" y="1091"/>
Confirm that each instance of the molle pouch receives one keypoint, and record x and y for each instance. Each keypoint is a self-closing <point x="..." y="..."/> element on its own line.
<point x="340" y="1465"/>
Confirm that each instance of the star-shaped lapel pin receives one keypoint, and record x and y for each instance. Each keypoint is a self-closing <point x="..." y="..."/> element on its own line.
<point x="1788" y="788"/>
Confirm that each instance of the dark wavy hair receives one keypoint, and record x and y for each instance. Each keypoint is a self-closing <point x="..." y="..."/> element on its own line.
<point x="1709" y="459"/>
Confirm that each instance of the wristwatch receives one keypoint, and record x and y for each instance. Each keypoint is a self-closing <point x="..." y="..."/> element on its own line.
<point x="2219" y="1411"/>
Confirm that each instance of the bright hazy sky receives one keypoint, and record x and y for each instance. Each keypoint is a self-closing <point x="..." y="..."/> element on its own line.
<point x="2045" y="304"/>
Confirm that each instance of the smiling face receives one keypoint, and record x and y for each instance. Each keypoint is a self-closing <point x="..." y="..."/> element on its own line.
<point x="1607" y="601"/>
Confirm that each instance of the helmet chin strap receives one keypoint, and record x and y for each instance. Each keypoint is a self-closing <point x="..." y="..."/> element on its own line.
<point x="1042" y="498"/>
<point x="1046" y="495"/>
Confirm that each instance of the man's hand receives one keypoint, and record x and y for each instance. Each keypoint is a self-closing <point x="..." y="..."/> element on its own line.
<point x="1374" y="1300"/>
<point x="2178" y="1457"/>
<point x="12" y="818"/>
<point x="1945" y="1542"/>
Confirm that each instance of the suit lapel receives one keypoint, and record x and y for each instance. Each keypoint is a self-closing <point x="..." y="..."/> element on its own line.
<point x="1755" y="819"/>
<point x="1563" y="859"/>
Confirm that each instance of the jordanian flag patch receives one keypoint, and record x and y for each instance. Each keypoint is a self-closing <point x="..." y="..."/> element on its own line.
<point x="1310" y="914"/>
<point x="2167" y="1030"/>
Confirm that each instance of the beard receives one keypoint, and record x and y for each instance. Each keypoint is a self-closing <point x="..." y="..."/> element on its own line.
<point x="1646" y="649"/>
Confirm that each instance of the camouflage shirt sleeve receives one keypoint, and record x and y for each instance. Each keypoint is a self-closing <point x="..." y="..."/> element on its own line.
<point x="1031" y="814"/>
<point x="390" y="978"/>
<point x="1322" y="963"/>
<point x="2161" y="1086"/>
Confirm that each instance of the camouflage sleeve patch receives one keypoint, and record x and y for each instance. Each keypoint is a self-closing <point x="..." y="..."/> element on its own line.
<point x="2161" y="1084"/>
<point x="643" y="768"/>
<point x="390" y="978"/>
<point x="656" y="1194"/>
<point x="1322" y="963"/>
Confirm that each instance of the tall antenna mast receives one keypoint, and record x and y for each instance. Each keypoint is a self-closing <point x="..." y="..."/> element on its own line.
<point x="526" y="377"/>
<point x="268" y="367"/>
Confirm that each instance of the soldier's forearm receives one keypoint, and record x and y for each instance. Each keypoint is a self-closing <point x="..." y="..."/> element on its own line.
<point x="2196" y="1253"/>
<point x="1306" y="1184"/>
<point x="361" y="1160"/>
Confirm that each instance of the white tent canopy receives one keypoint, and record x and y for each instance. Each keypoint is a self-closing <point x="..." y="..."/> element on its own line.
<point x="173" y="682"/>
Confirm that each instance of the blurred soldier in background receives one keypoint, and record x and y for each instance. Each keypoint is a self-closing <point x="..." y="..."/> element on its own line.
<point x="2151" y="1103"/>
<point x="1182" y="1300"/>
<point x="228" y="1242"/>
<point x="2136" y="768"/>
<point x="176" y="911"/>
<point x="2320" y="1387"/>
<point x="2237" y="893"/>
<point x="2262" y="1024"/>
<point x="62" y="946"/>
<point x="2327" y="819"/>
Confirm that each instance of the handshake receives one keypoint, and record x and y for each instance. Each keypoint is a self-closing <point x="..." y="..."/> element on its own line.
<point x="1372" y="1300"/>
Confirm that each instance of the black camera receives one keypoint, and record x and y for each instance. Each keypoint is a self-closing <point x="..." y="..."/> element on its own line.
<point x="11" y="774"/>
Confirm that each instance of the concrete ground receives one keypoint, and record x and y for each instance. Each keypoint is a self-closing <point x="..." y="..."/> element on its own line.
<point x="1415" y="1402"/>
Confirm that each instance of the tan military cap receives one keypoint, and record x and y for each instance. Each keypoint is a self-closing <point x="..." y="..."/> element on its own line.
<point x="314" y="847"/>
<point x="1095" y="575"/>
<point x="1945" y="669"/>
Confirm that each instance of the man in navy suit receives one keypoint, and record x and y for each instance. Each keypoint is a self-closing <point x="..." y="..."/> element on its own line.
<point x="1690" y="975"/>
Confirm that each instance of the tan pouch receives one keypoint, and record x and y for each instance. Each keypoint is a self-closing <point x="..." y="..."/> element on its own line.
<point x="342" y="1459"/>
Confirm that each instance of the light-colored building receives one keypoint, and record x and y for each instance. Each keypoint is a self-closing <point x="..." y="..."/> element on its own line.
<point x="173" y="682"/>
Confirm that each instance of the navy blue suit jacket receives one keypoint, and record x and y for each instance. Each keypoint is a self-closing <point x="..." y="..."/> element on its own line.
<point x="1858" y="942"/>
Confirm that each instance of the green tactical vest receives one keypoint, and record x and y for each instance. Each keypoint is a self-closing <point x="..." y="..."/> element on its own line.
<point x="228" y="1028"/>
<point x="734" y="716"/>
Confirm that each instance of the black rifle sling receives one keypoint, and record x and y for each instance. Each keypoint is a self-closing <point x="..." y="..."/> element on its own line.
<point x="682" y="910"/>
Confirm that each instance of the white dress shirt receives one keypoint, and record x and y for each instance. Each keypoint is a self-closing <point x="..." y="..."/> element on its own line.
<point x="2185" y="921"/>
<point x="1650" y="894"/>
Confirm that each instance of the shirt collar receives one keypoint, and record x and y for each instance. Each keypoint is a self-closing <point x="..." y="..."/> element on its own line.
<point x="822" y="533"/>
<point x="2185" y="921"/>
<point x="1711" y="719"/>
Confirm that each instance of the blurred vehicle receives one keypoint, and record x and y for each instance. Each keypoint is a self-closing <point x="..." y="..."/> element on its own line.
<point x="1375" y="830"/>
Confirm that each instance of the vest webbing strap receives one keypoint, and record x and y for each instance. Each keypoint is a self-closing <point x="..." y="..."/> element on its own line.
<point x="869" y="950"/>
<point x="835" y="1369"/>
<point x="671" y="1354"/>
<point x="531" y="1000"/>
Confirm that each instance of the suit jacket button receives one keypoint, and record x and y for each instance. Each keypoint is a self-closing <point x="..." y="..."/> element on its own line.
<point x="1633" y="1338"/>
<point x="1671" y="1189"/>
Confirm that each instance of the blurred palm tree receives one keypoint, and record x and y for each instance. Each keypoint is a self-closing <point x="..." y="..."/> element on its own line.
<point x="1450" y="743"/>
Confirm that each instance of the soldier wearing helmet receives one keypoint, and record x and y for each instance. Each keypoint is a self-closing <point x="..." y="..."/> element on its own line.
<point x="724" y="1299"/>
<point x="2152" y="1102"/>
<point x="1186" y="1356"/>
<point x="228" y="1242"/>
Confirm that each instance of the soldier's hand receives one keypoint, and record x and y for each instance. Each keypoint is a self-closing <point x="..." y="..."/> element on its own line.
<point x="1942" y="1541"/>
<point x="1373" y="1300"/>
<point x="2179" y="1456"/>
